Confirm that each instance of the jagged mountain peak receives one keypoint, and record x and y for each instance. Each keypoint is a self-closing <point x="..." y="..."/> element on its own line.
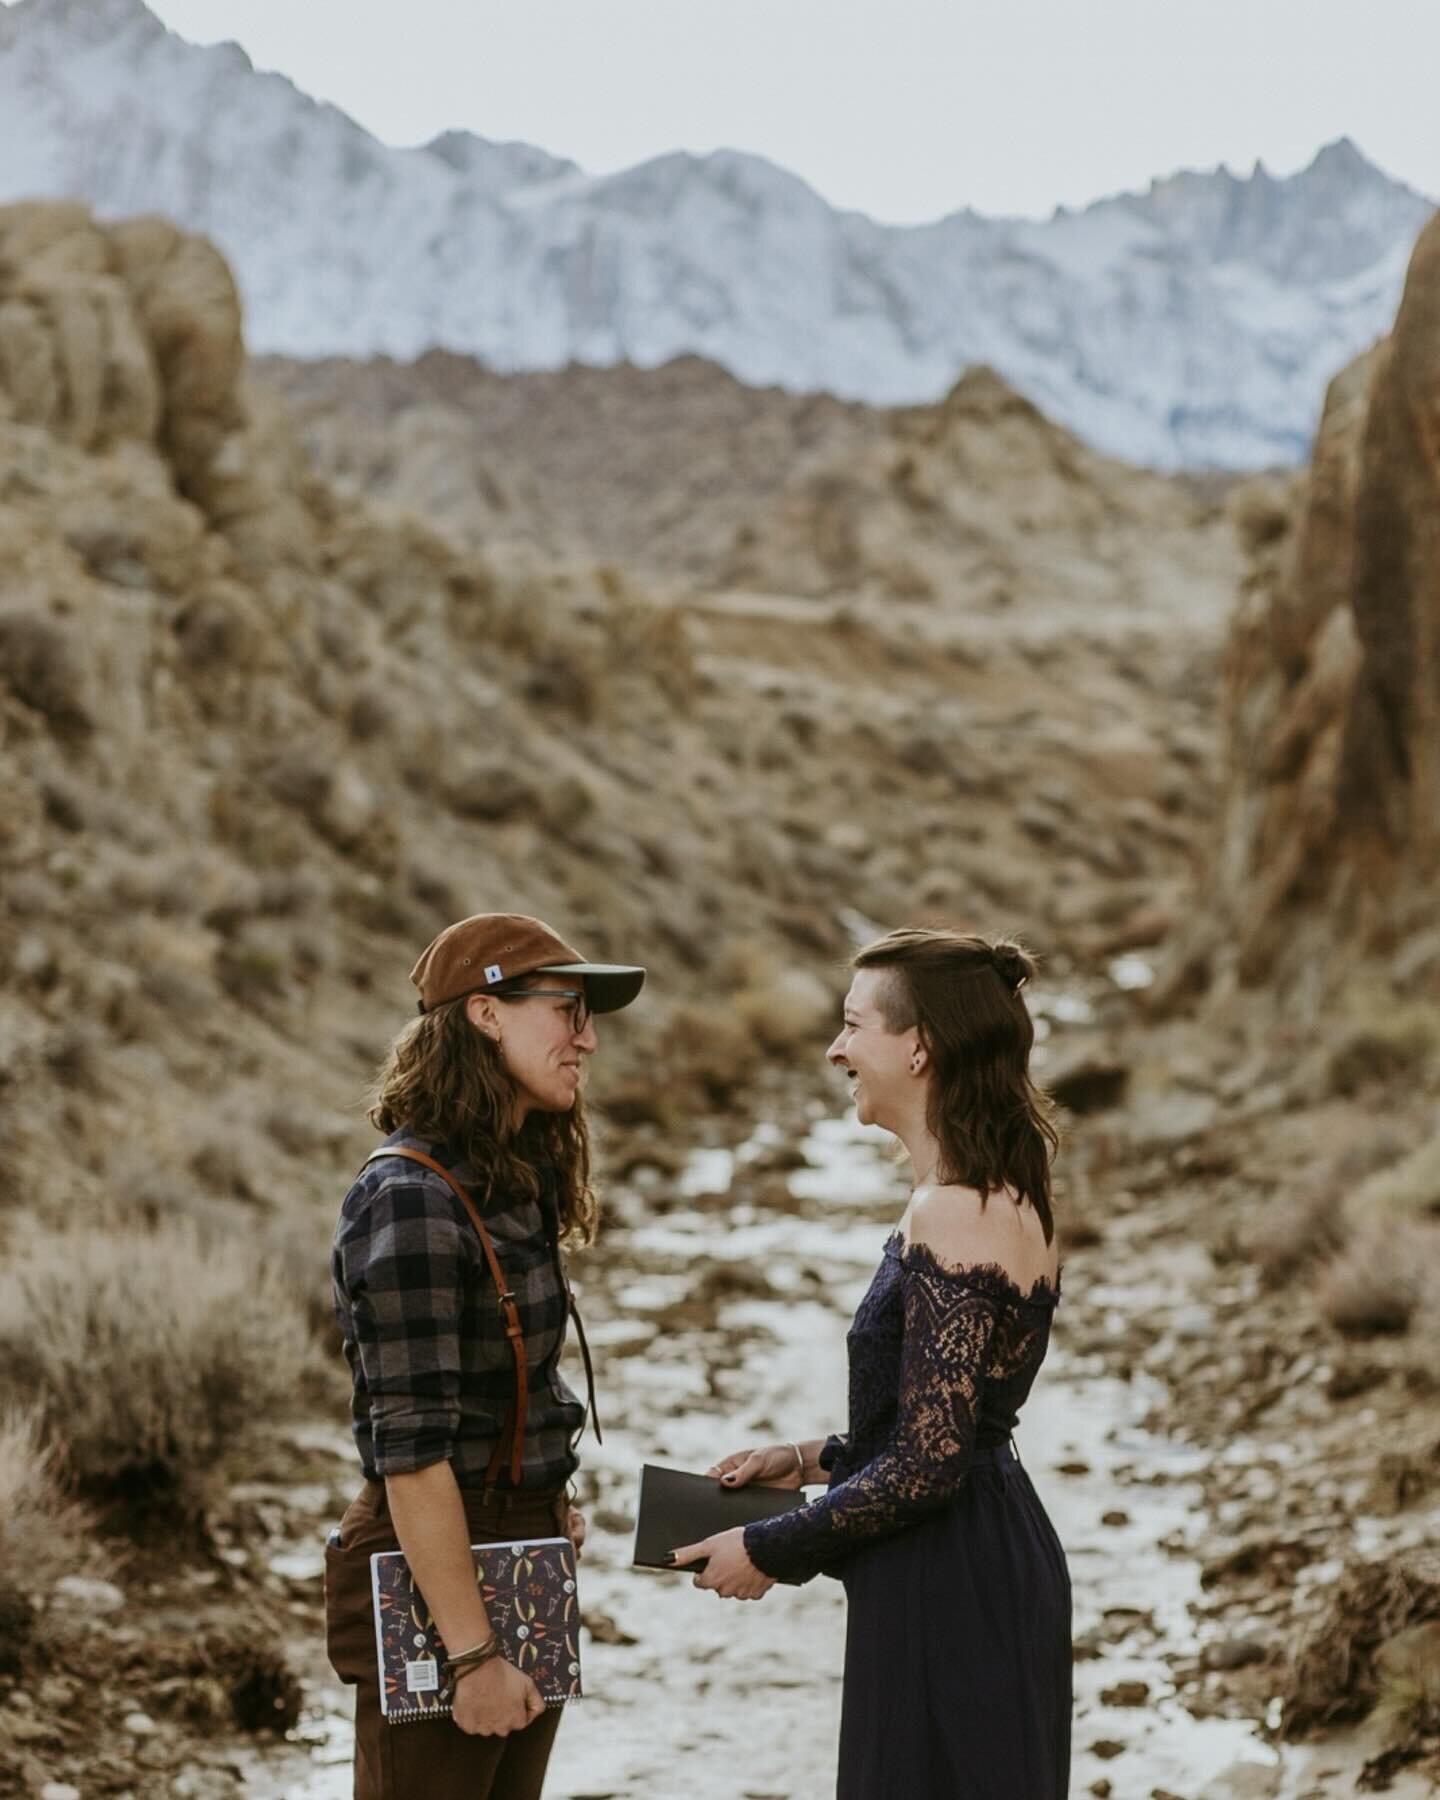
<point x="94" y="21"/>
<point x="505" y="163"/>
<point x="1195" y="323"/>
<point x="1344" y="157"/>
<point x="751" y="185"/>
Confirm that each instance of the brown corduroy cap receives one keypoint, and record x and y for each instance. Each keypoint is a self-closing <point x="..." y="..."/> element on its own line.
<point x="490" y="948"/>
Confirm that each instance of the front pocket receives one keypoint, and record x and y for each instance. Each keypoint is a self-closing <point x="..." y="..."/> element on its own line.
<point x="349" y="1614"/>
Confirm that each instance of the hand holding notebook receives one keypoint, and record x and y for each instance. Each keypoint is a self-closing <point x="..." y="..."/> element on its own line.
<point x="530" y="1599"/>
<point x="679" y="1511"/>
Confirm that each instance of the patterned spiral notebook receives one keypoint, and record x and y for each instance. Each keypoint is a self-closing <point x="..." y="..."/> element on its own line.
<point x="530" y="1599"/>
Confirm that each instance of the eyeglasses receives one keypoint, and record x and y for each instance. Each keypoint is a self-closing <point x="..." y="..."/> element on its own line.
<point x="579" y="1008"/>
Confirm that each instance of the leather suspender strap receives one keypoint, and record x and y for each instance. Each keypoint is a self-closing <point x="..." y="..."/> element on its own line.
<point x="589" y="1366"/>
<point x="510" y="1313"/>
<point x="592" y="1411"/>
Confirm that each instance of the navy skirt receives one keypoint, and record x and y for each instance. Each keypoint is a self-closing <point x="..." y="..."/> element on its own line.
<point x="957" y="1651"/>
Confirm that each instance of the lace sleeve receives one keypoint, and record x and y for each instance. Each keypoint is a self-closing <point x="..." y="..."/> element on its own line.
<point x="948" y="1328"/>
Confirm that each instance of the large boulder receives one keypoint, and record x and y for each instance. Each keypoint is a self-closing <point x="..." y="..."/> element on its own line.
<point x="73" y="356"/>
<point x="126" y="332"/>
<point x="1330" y="821"/>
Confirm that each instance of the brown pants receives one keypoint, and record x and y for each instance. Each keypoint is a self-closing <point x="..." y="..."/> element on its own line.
<point x="430" y="1759"/>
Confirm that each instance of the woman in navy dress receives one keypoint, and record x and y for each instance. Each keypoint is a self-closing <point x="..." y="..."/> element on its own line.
<point x="957" y="1656"/>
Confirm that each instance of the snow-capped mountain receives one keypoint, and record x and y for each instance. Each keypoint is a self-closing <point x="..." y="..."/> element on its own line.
<point x="1194" y="324"/>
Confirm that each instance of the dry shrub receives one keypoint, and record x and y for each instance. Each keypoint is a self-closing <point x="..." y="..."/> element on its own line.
<point x="1402" y="1479"/>
<point x="436" y="894"/>
<point x="370" y="903"/>
<point x="302" y="777"/>
<point x="568" y="678"/>
<point x="251" y="972"/>
<point x="144" y="1191"/>
<point x="1376" y="1283"/>
<point x="179" y="994"/>
<point x="44" y="1532"/>
<point x="1421" y="1361"/>
<point x="40" y="666"/>
<point x="707" y="1049"/>
<point x="308" y="1135"/>
<point x="1408" y="1671"/>
<point x="159" y="884"/>
<point x="1261" y="514"/>
<point x="1410" y="1188"/>
<point x="1335" y="1675"/>
<point x="370" y="714"/>
<point x="216" y="631"/>
<point x="332" y="796"/>
<point x="638" y="1101"/>
<point x="222" y="1168"/>
<point x="787" y="1013"/>
<point x="72" y="1058"/>
<point x="491" y="788"/>
<point x="906" y="580"/>
<point x="1077" y="1208"/>
<point x="148" y="1354"/>
<point x="264" y="837"/>
<point x="785" y="1006"/>
<point x="523" y="619"/>
<point x="566" y="803"/>
<point x="1292" y="1233"/>
<point x="610" y="579"/>
<point x="68" y="803"/>
<point x="298" y="1245"/>
<point x="1396" y="1045"/>
<point x="653" y="641"/>
<point x="773" y="1008"/>
<point x="230" y="1675"/>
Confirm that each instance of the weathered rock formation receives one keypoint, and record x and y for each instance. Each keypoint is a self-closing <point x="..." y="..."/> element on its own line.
<point x="982" y="500"/>
<point x="1330" y="831"/>
<point x="682" y="473"/>
<point x="258" y="739"/>
<point x="108" y="335"/>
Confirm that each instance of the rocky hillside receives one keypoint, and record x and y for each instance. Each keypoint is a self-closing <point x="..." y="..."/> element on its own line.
<point x="980" y="496"/>
<point x="656" y="469"/>
<point x="261" y="740"/>
<point x="1193" y="324"/>
<point x="262" y="732"/>
<point x="1330" y="829"/>
<point x="978" y="503"/>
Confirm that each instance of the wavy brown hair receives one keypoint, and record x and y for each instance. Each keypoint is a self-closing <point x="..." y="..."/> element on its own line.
<point x="446" y="1082"/>
<point x="962" y="994"/>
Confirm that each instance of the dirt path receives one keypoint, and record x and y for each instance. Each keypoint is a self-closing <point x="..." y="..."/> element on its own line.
<point x="721" y="1305"/>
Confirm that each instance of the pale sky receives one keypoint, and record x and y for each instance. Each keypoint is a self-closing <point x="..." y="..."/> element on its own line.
<point x="905" y="109"/>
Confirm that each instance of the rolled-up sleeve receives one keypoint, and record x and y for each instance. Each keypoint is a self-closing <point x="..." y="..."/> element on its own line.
<point x="402" y="1269"/>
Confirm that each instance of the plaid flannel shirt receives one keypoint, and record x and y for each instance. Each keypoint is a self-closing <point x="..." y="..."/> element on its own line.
<point x="434" y="1378"/>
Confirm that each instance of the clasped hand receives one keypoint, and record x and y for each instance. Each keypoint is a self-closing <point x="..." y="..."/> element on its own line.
<point x="729" y="1571"/>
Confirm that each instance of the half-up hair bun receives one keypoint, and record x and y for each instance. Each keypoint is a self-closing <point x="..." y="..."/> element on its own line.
<point x="1012" y="964"/>
<point x="961" y="993"/>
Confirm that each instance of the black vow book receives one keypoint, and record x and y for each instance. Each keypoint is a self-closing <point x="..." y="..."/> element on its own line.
<point x="677" y="1508"/>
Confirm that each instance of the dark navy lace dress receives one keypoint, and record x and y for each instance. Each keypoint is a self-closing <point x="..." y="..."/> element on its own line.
<point x="957" y="1654"/>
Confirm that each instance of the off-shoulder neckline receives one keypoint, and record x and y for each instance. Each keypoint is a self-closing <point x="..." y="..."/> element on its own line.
<point x="987" y="1277"/>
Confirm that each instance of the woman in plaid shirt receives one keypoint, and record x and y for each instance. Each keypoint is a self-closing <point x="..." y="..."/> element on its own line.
<point x="454" y="1447"/>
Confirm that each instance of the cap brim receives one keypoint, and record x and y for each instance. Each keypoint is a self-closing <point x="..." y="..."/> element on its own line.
<point x="608" y="986"/>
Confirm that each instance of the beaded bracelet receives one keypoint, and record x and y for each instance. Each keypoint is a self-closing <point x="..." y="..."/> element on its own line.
<point x="473" y="1658"/>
